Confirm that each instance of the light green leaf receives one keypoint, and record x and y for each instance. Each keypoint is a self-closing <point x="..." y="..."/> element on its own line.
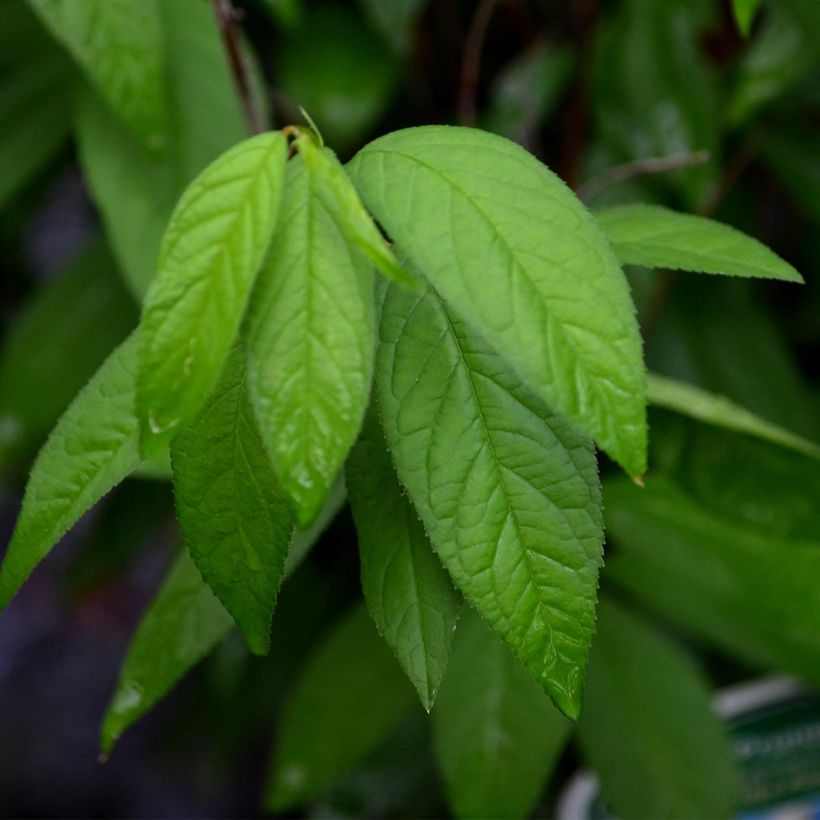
<point x="118" y="44"/>
<point x="339" y="71"/>
<point x="205" y="120"/>
<point x="721" y="412"/>
<point x="496" y="734"/>
<point x="648" y="728"/>
<point x="509" y="246"/>
<point x="59" y="337"/>
<point x="658" y="237"/>
<point x="310" y="341"/>
<point x="745" y="12"/>
<point x="182" y="625"/>
<point x="208" y="260"/>
<point x="339" y="198"/>
<point x="408" y="593"/>
<point x="93" y="447"/>
<point x="755" y="593"/>
<point x="232" y="513"/>
<point x="353" y="690"/>
<point x="507" y="490"/>
<point x="34" y="120"/>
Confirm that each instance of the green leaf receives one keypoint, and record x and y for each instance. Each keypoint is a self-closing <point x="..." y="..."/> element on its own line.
<point x="310" y="341"/>
<point x="335" y="68"/>
<point x="205" y="120"/>
<point x="648" y="728"/>
<point x="507" y="490"/>
<point x="658" y="237"/>
<point x="408" y="593"/>
<point x="734" y="585"/>
<point x="34" y="120"/>
<point x="793" y="153"/>
<point x="745" y="11"/>
<point x="93" y="447"/>
<point x="339" y="198"/>
<point x="118" y="44"/>
<point x="367" y="697"/>
<point x="59" y="337"/>
<point x="182" y="625"/>
<point x="208" y="260"/>
<point x="497" y="736"/>
<point x="394" y="20"/>
<point x="517" y="255"/>
<point x="721" y="412"/>
<point x="232" y="513"/>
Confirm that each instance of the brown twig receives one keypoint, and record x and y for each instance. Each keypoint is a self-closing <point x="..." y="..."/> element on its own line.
<point x="471" y="65"/>
<point x="229" y="19"/>
<point x="638" y="168"/>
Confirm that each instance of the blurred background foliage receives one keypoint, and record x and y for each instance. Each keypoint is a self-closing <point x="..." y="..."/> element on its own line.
<point x="719" y="551"/>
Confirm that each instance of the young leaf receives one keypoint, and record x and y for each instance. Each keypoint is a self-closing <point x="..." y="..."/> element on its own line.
<point x="118" y="43"/>
<point x="210" y="254"/>
<point x="658" y="237"/>
<point x="507" y="490"/>
<point x="509" y="246"/>
<point x="232" y="513"/>
<point x="58" y="339"/>
<point x="745" y="11"/>
<point x="734" y="585"/>
<point x="367" y="698"/>
<point x="721" y="412"/>
<point x="408" y="593"/>
<point x="648" y="728"/>
<point x="93" y="447"/>
<point x="496" y="734"/>
<point x="207" y="120"/>
<point x="339" y="198"/>
<point x="310" y="341"/>
<point x="183" y="624"/>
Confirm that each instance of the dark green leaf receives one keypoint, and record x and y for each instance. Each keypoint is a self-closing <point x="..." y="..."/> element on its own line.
<point x="507" y="491"/>
<point x="648" y="728"/>
<point x="93" y="447"/>
<point x="408" y="593"/>
<point x="232" y="513"/>
<point x="310" y="345"/>
<point x="351" y="689"/>
<point x="497" y="736"/>
<point x="394" y="20"/>
<point x="183" y="624"/>
<point x="729" y="583"/>
<point x="509" y="247"/>
<point x="208" y="261"/>
<point x="745" y="11"/>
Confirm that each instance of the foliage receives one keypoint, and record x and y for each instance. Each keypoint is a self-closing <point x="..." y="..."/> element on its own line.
<point x="444" y="324"/>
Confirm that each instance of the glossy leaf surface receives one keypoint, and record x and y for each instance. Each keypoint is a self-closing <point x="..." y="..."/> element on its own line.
<point x="510" y="247"/>
<point x="507" y="491"/>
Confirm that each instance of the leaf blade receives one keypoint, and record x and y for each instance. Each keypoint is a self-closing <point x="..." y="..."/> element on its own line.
<point x="523" y="294"/>
<point x="232" y="513"/>
<point x="659" y="237"/>
<point x="658" y="748"/>
<point x="408" y="593"/>
<point x="210" y="254"/>
<point x="496" y="734"/>
<point x="309" y="341"/>
<point x="470" y="444"/>
<point x="93" y="447"/>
